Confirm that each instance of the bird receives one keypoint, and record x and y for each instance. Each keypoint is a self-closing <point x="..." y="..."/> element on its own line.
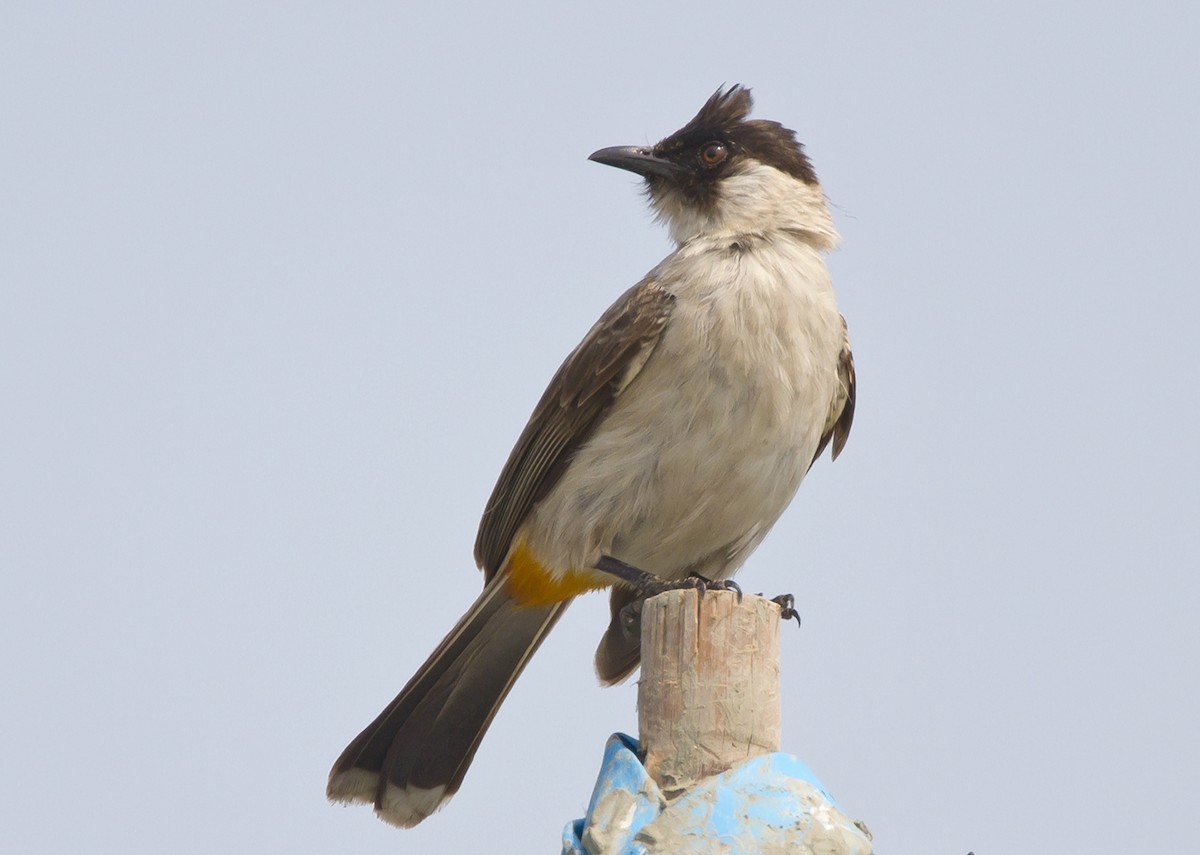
<point x="667" y="444"/>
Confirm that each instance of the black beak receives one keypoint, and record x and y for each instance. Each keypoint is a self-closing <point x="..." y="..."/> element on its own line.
<point x="643" y="161"/>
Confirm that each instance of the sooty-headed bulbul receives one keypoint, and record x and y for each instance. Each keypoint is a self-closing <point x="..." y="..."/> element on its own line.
<point x="670" y="440"/>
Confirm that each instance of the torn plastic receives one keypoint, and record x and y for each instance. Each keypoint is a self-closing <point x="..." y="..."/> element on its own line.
<point x="769" y="804"/>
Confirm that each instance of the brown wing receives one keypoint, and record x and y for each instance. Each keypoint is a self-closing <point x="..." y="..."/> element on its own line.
<point x="841" y="413"/>
<point x="604" y="363"/>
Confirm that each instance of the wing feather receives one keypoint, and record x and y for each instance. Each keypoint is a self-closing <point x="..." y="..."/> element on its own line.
<point x="581" y="392"/>
<point x="841" y="413"/>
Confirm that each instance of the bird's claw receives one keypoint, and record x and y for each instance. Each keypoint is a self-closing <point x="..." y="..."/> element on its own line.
<point x="787" y="607"/>
<point x="718" y="585"/>
<point x="654" y="585"/>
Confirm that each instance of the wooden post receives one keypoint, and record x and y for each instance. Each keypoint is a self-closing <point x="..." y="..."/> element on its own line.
<point x="708" y="697"/>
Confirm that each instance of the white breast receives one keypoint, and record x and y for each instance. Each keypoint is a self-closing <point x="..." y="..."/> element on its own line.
<point x="705" y="448"/>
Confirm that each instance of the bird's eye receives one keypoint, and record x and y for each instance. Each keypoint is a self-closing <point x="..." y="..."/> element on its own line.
<point x="713" y="153"/>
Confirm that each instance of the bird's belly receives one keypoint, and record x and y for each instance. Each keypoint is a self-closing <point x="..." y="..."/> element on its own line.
<point x="686" y="474"/>
<point x="703" y="450"/>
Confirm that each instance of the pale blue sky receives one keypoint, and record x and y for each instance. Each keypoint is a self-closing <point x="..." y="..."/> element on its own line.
<point x="281" y="285"/>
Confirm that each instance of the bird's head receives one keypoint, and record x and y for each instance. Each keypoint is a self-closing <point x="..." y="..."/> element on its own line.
<point x="722" y="173"/>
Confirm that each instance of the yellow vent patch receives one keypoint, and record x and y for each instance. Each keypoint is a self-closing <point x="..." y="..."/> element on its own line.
<point x="531" y="584"/>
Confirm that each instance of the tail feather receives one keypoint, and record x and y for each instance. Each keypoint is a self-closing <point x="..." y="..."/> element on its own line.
<point x="412" y="758"/>
<point x="620" y="650"/>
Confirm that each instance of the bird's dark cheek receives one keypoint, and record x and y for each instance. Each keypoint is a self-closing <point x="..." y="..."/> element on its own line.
<point x="702" y="194"/>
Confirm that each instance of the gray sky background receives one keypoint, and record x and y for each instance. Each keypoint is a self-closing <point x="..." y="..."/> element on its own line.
<point x="282" y="282"/>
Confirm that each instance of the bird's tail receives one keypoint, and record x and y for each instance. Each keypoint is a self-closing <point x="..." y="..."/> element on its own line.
<point x="412" y="758"/>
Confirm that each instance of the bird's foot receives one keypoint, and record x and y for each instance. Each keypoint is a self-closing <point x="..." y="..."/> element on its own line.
<point x="787" y="607"/>
<point x="647" y="584"/>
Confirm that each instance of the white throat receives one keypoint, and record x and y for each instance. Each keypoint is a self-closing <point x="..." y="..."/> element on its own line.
<point x="752" y="199"/>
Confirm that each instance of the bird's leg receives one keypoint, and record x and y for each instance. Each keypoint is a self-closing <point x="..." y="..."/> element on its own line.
<point x="787" y="606"/>
<point x="647" y="584"/>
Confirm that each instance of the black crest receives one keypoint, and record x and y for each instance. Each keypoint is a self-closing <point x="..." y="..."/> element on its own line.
<point x="723" y="120"/>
